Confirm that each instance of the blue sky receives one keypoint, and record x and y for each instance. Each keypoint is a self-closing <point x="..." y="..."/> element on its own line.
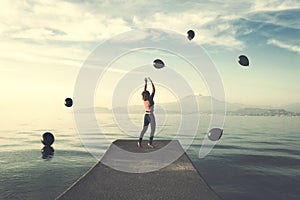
<point x="44" y="43"/>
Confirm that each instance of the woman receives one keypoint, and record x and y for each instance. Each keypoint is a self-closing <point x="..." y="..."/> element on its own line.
<point x="149" y="116"/>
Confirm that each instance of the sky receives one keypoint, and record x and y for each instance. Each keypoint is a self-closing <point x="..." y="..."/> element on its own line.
<point x="45" y="43"/>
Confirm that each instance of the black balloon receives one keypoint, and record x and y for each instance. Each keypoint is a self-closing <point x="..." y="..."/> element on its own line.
<point x="191" y="34"/>
<point x="68" y="102"/>
<point x="48" y="139"/>
<point x="158" y="64"/>
<point x="243" y="60"/>
<point x="215" y="134"/>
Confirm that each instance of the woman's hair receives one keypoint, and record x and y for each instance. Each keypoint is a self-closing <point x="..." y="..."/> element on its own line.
<point x="146" y="95"/>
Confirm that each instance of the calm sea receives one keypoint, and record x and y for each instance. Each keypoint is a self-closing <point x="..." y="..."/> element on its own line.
<point x="257" y="157"/>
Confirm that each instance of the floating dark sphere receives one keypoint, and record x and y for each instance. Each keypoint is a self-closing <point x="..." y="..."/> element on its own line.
<point x="243" y="60"/>
<point x="158" y="64"/>
<point x="68" y="102"/>
<point x="48" y="139"/>
<point x="191" y="34"/>
<point x="215" y="134"/>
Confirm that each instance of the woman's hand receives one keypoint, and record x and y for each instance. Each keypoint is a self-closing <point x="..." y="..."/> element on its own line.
<point x="150" y="79"/>
<point x="146" y="80"/>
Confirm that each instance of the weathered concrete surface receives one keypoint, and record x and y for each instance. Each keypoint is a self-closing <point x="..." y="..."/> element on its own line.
<point x="178" y="180"/>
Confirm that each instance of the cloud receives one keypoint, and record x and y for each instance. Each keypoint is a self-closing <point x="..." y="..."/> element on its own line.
<point x="289" y="47"/>
<point x="95" y="21"/>
<point x="51" y="32"/>
<point x="274" y="5"/>
<point x="209" y="27"/>
<point x="57" y="20"/>
<point x="283" y="18"/>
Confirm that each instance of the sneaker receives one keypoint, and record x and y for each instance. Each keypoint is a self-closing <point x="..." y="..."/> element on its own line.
<point x="150" y="146"/>
<point x="139" y="145"/>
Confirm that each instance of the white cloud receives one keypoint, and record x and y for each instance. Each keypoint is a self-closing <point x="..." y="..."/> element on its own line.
<point x="40" y="33"/>
<point x="274" y="5"/>
<point x="289" y="47"/>
<point x="69" y="21"/>
<point x="284" y="14"/>
<point x="57" y="20"/>
<point x="207" y="25"/>
<point x="66" y="21"/>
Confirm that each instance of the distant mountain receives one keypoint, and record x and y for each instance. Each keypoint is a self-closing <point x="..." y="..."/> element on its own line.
<point x="292" y="107"/>
<point x="206" y="102"/>
<point x="205" y="106"/>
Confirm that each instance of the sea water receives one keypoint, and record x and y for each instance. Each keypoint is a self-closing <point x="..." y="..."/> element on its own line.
<point x="256" y="158"/>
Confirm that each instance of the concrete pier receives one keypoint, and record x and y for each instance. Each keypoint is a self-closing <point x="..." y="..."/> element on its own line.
<point x="178" y="180"/>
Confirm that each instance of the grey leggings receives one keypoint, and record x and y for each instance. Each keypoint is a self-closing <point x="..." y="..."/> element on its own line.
<point x="148" y="118"/>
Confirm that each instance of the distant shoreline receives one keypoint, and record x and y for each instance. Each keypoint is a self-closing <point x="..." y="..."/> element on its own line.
<point x="262" y="112"/>
<point x="239" y="112"/>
